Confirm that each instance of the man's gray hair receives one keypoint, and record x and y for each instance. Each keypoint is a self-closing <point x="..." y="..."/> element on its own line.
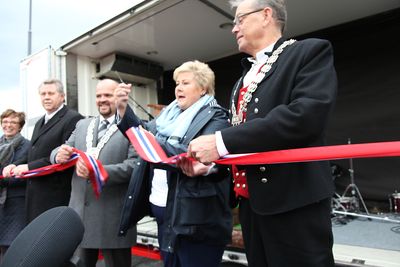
<point x="56" y="82"/>
<point x="278" y="7"/>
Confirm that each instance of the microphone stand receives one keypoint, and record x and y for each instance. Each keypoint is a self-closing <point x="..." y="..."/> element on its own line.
<point x="355" y="192"/>
<point x="134" y="101"/>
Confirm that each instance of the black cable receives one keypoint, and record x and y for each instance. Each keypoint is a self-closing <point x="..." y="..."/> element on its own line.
<point x="395" y="229"/>
<point x="133" y="100"/>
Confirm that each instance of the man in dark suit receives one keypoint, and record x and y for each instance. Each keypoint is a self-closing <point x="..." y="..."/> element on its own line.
<point x="52" y="130"/>
<point x="282" y="101"/>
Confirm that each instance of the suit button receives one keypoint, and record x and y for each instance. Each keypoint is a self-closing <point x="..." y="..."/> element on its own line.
<point x="130" y="197"/>
<point x="264" y="180"/>
<point x="256" y="110"/>
<point x="88" y="181"/>
<point x="262" y="168"/>
<point x="256" y="100"/>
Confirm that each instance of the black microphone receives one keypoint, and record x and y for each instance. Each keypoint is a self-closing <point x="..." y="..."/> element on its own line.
<point x="49" y="240"/>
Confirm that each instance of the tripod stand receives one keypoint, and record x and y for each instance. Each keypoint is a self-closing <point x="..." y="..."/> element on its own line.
<point x="352" y="187"/>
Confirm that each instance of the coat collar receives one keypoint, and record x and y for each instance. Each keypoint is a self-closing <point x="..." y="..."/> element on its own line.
<point x="41" y="128"/>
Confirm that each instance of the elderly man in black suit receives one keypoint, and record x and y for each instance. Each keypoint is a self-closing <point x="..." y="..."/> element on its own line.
<point x="282" y="101"/>
<point x="51" y="131"/>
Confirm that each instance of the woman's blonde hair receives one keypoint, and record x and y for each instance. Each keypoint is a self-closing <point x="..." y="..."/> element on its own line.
<point x="203" y="74"/>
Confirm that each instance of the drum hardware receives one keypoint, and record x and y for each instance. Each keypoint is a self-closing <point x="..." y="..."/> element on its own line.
<point x="353" y="189"/>
<point x="394" y="202"/>
<point x="346" y="204"/>
<point x="349" y="203"/>
<point x="336" y="204"/>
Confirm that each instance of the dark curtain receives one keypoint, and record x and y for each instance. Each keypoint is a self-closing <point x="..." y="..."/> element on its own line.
<point x="367" y="60"/>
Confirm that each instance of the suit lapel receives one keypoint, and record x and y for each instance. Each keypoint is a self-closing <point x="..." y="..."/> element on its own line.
<point x="199" y="121"/>
<point x="36" y="130"/>
<point x="273" y="67"/>
<point x="43" y="128"/>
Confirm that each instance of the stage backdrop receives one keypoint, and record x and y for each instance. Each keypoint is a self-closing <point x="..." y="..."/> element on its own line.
<point x="367" y="60"/>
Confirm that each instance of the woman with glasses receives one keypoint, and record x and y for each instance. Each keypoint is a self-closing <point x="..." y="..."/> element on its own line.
<point x="192" y="213"/>
<point x="13" y="147"/>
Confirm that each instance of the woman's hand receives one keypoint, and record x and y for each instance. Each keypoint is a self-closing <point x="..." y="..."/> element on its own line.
<point x="20" y="169"/>
<point x="192" y="167"/>
<point x="8" y="170"/>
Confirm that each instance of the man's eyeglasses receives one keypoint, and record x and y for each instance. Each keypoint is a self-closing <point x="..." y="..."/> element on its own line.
<point x="239" y="18"/>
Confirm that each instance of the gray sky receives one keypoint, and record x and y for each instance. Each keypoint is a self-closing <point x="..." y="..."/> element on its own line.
<point x="54" y="23"/>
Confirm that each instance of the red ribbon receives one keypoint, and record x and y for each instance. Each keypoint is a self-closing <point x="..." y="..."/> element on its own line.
<point x="97" y="174"/>
<point x="367" y="150"/>
<point x="45" y="170"/>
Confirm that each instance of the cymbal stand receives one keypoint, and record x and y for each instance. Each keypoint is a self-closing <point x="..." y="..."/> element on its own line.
<point x="352" y="187"/>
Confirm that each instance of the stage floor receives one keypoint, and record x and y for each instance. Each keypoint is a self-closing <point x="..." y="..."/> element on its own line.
<point x="358" y="241"/>
<point x="362" y="241"/>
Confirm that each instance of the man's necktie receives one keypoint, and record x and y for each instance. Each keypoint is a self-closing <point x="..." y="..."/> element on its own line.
<point x="102" y="130"/>
<point x="46" y="119"/>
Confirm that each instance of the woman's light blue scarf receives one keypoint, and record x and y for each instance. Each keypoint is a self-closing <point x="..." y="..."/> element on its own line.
<point x="173" y="123"/>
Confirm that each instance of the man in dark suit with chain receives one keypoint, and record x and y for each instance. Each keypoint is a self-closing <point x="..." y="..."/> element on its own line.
<point x="51" y="131"/>
<point x="282" y="101"/>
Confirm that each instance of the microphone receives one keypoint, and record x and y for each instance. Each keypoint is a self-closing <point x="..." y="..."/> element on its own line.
<point x="49" y="240"/>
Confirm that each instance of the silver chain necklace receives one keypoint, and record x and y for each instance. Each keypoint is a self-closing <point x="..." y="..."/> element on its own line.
<point x="95" y="151"/>
<point x="237" y="117"/>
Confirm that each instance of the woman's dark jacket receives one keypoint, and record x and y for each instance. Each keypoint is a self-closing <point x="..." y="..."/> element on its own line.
<point x="197" y="208"/>
<point x="16" y="187"/>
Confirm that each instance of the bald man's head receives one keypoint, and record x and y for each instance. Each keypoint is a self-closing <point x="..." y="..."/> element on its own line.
<point x="105" y="100"/>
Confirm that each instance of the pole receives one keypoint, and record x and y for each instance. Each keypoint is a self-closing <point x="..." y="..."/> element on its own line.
<point x="30" y="29"/>
<point x="351" y="171"/>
